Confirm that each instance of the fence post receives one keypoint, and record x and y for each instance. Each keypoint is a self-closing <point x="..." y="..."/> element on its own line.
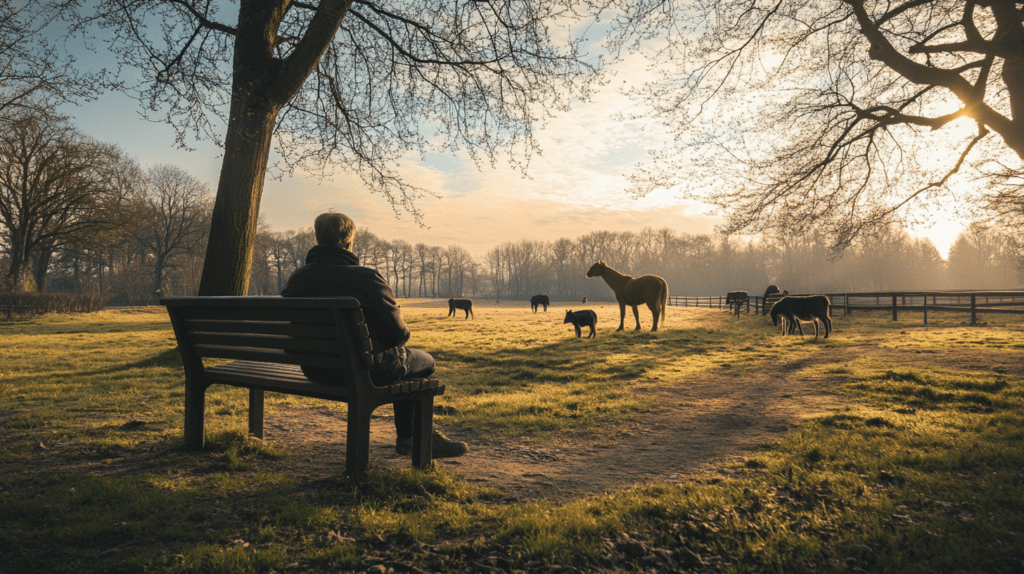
<point x="846" y="304"/>
<point x="894" y="308"/>
<point x="925" y="308"/>
<point x="974" y="310"/>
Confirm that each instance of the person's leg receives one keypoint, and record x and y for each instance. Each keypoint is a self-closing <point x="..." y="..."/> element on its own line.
<point x="420" y="365"/>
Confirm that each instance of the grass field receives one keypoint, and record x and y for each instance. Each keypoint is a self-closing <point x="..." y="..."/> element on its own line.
<point x="925" y="474"/>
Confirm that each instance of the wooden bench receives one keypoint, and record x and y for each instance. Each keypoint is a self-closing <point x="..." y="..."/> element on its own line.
<point x="269" y="338"/>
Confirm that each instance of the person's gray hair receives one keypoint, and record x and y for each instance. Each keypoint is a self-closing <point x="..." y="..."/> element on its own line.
<point x="334" y="230"/>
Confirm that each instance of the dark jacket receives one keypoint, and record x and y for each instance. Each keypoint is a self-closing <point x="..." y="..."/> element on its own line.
<point x="334" y="272"/>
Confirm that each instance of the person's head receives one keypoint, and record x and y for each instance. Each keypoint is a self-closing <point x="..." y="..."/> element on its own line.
<point x="334" y="230"/>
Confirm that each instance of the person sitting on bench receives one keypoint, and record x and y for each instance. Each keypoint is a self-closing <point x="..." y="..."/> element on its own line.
<point x="332" y="270"/>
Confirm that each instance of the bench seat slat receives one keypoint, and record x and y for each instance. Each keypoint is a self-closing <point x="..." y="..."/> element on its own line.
<point x="289" y="378"/>
<point x="268" y="356"/>
<point x="239" y="374"/>
<point x="270" y="369"/>
<point x="262" y="327"/>
<point x="269" y="342"/>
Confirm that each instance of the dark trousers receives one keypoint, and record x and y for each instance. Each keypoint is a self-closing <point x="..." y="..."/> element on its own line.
<point x="418" y="365"/>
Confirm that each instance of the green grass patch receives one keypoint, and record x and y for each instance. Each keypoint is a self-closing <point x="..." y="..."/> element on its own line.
<point x="922" y="473"/>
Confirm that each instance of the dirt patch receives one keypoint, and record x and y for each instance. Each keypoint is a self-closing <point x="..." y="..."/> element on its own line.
<point x="701" y="426"/>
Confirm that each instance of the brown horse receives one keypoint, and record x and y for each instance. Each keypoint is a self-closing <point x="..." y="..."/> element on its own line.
<point x="649" y="289"/>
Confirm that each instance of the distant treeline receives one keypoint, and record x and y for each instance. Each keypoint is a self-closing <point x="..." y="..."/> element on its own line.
<point x="692" y="264"/>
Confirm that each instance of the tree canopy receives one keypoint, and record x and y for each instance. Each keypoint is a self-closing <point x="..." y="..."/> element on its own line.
<point x="345" y="84"/>
<point x="849" y="114"/>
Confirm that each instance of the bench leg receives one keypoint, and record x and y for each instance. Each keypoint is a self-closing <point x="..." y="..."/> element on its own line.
<point x="357" y="454"/>
<point x="423" y="431"/>
<point x="256" y="413"/>
<point x="195" y="412"/>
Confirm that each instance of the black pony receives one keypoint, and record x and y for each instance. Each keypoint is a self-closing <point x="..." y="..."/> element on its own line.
<point x="537" y="300"/>
<point x="464" y="304"/>
<point x="795" y="308"/>
<point x="579" y="319"/>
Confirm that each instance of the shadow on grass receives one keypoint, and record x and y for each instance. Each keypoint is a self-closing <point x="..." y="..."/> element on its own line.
<point x="170" y="358"/>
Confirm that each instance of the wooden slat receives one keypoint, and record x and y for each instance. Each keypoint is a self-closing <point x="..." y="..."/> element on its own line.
<point x="269" y="302"/>
<point x="282" y="384"/>
<point x="262" y="327"/>
<point x="312" y="316"/>
<point x="293" y="372"/>
<point x="269" y="356"/>
<point x="269" y="342"/>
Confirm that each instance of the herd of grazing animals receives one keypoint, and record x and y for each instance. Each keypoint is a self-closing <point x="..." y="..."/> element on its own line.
<point x="787" y="311"/>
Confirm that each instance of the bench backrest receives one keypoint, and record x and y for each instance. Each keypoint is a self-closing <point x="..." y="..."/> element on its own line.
<point x="323" y="332"/>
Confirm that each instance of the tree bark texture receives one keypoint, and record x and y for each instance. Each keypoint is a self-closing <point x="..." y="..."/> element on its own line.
<point x="261" y="85"/>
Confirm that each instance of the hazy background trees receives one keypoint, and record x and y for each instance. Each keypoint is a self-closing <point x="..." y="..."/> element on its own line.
<point x="169" y="218"/>
<point x="889" y="260"/>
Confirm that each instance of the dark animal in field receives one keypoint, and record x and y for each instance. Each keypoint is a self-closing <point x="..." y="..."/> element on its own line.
<point x="584" y="300"/>
<point x="648" y="289"/>
<point x="736" y="299"/>
<point x="771" y="290"/>
<point x="464" y="304"/>
<point x="538" y="300"/>
<point x="580" y="319"/>
<point x="795" y="308"/>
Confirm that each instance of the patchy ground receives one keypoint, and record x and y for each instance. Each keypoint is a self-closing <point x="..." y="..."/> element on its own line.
<point x="701" y="426"/>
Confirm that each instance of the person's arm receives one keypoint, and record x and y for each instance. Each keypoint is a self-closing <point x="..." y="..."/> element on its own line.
<point x="391" y="328"/>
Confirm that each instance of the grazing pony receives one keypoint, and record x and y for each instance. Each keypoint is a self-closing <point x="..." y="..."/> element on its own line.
<point x="736" y="299"/>
<point x="539" y="300"/>
<point x="649" y="289"/>
<point x="584" y="300"/>
<point x="579" y="319"/>
<point x="795" y="308"/>
<point x="771" y="290"/>
<point x="464" y="304"/>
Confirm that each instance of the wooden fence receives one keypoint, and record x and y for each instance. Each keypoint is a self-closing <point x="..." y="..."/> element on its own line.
<point x="972" y="302"/>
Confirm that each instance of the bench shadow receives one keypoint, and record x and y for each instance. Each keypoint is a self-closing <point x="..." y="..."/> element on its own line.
<point x="168" y="358"/>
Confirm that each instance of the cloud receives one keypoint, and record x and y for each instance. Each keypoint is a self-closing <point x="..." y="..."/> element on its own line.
<point x="578" y="185"/>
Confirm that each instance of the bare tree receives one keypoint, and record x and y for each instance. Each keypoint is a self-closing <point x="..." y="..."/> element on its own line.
<point x="354" y="84"/>
<point x="54" y="184"/>
<point x="169" y="216"/>
<point x="845" y="113"/>
<point x="34" y="74"/>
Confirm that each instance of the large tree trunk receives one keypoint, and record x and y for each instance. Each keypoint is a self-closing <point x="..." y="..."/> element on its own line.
<point x="261" y="85"/>
<point x="158" y="278"/>
<point x="42" y="265"/>
<point x="236" y="210"/>
<point x="19" y="264"/>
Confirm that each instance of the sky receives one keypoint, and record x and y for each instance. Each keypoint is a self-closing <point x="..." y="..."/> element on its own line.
<point x="577" y="186"/>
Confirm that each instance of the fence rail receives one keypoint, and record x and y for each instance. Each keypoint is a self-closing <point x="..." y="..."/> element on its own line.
<point x="973" y="302"/>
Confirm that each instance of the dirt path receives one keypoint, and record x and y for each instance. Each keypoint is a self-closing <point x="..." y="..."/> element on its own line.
<point x="703" y="425"/>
